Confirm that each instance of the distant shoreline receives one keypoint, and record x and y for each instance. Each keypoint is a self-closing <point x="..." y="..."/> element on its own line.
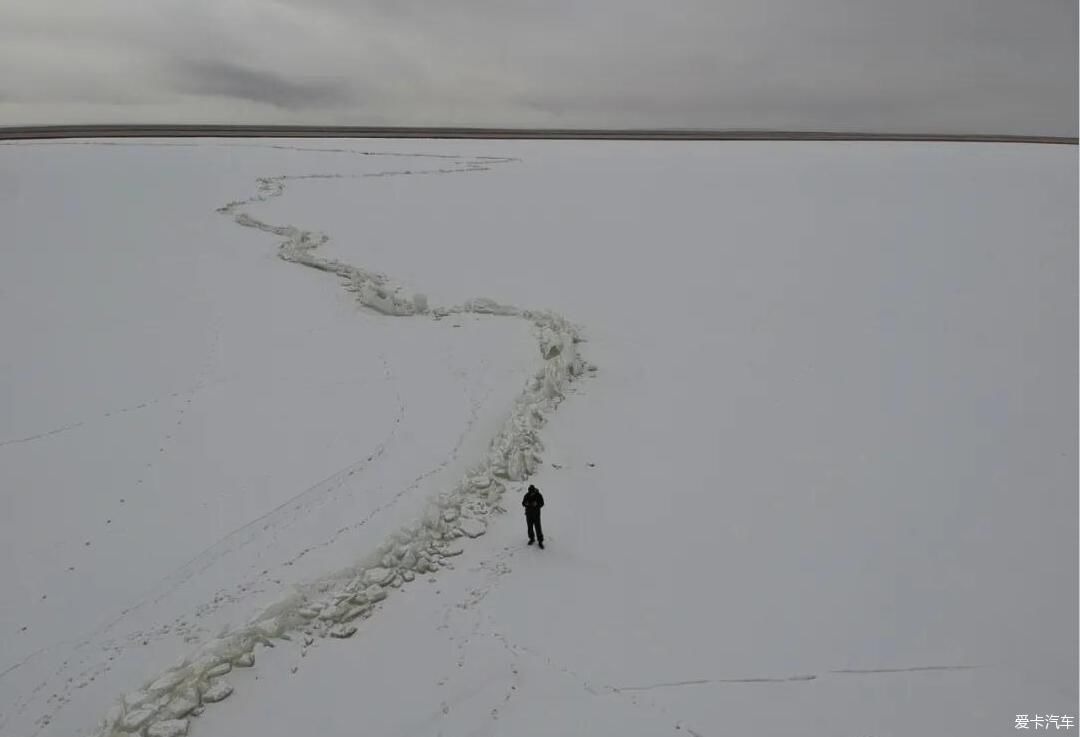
<point x="35" y="132"/>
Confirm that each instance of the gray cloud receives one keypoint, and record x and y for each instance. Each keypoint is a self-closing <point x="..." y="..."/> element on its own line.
<point x="224" y="79"/>
<point x="950" y="66"/>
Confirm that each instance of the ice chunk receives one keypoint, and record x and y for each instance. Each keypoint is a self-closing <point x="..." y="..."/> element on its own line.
<point x="343" y="631"/>
<point x="167" y="682"/>
<point x="472" y="527"/>
<point x="331" y="613"/>
<point x="355" y="612"/>
<point x="271" y="627"/>
<point x="182" y="704"/>
<point x="218" y="691"/>
<point x="379" y="576"/>
<point x="219" y="670"/>
<point x="134" y="720"/>
<point x="168" y="728"/>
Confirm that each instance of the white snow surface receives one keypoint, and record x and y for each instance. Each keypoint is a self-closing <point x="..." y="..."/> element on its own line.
<point x="823" y="481"/>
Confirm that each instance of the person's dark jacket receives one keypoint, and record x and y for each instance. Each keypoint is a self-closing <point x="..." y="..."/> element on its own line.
<point x="532" y="501"/>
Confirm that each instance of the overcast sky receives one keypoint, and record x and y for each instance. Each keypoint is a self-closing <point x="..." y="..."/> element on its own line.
<point x="949" y="66"/>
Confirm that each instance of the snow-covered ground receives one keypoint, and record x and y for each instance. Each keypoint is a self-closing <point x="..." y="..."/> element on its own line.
<point x="823" y="482"/>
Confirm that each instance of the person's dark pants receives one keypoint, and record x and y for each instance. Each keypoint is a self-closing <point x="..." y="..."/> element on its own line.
<point x="532" y="519"/>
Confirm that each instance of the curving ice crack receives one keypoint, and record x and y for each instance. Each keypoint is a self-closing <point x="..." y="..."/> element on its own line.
<point x="329" y="606"/>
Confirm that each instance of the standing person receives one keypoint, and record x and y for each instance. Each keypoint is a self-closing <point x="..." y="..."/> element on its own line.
<point x="533" y="501"/>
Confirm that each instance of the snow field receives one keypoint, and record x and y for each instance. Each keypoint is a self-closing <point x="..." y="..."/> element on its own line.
<point x="331" y="606"/>
<point x="826" y="485"/>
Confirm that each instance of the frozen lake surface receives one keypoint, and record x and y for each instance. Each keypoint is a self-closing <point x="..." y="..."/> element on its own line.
<point x="823" y="480"/>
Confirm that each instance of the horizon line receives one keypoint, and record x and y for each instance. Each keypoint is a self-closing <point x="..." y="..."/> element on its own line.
<point x="201" y="130"/>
